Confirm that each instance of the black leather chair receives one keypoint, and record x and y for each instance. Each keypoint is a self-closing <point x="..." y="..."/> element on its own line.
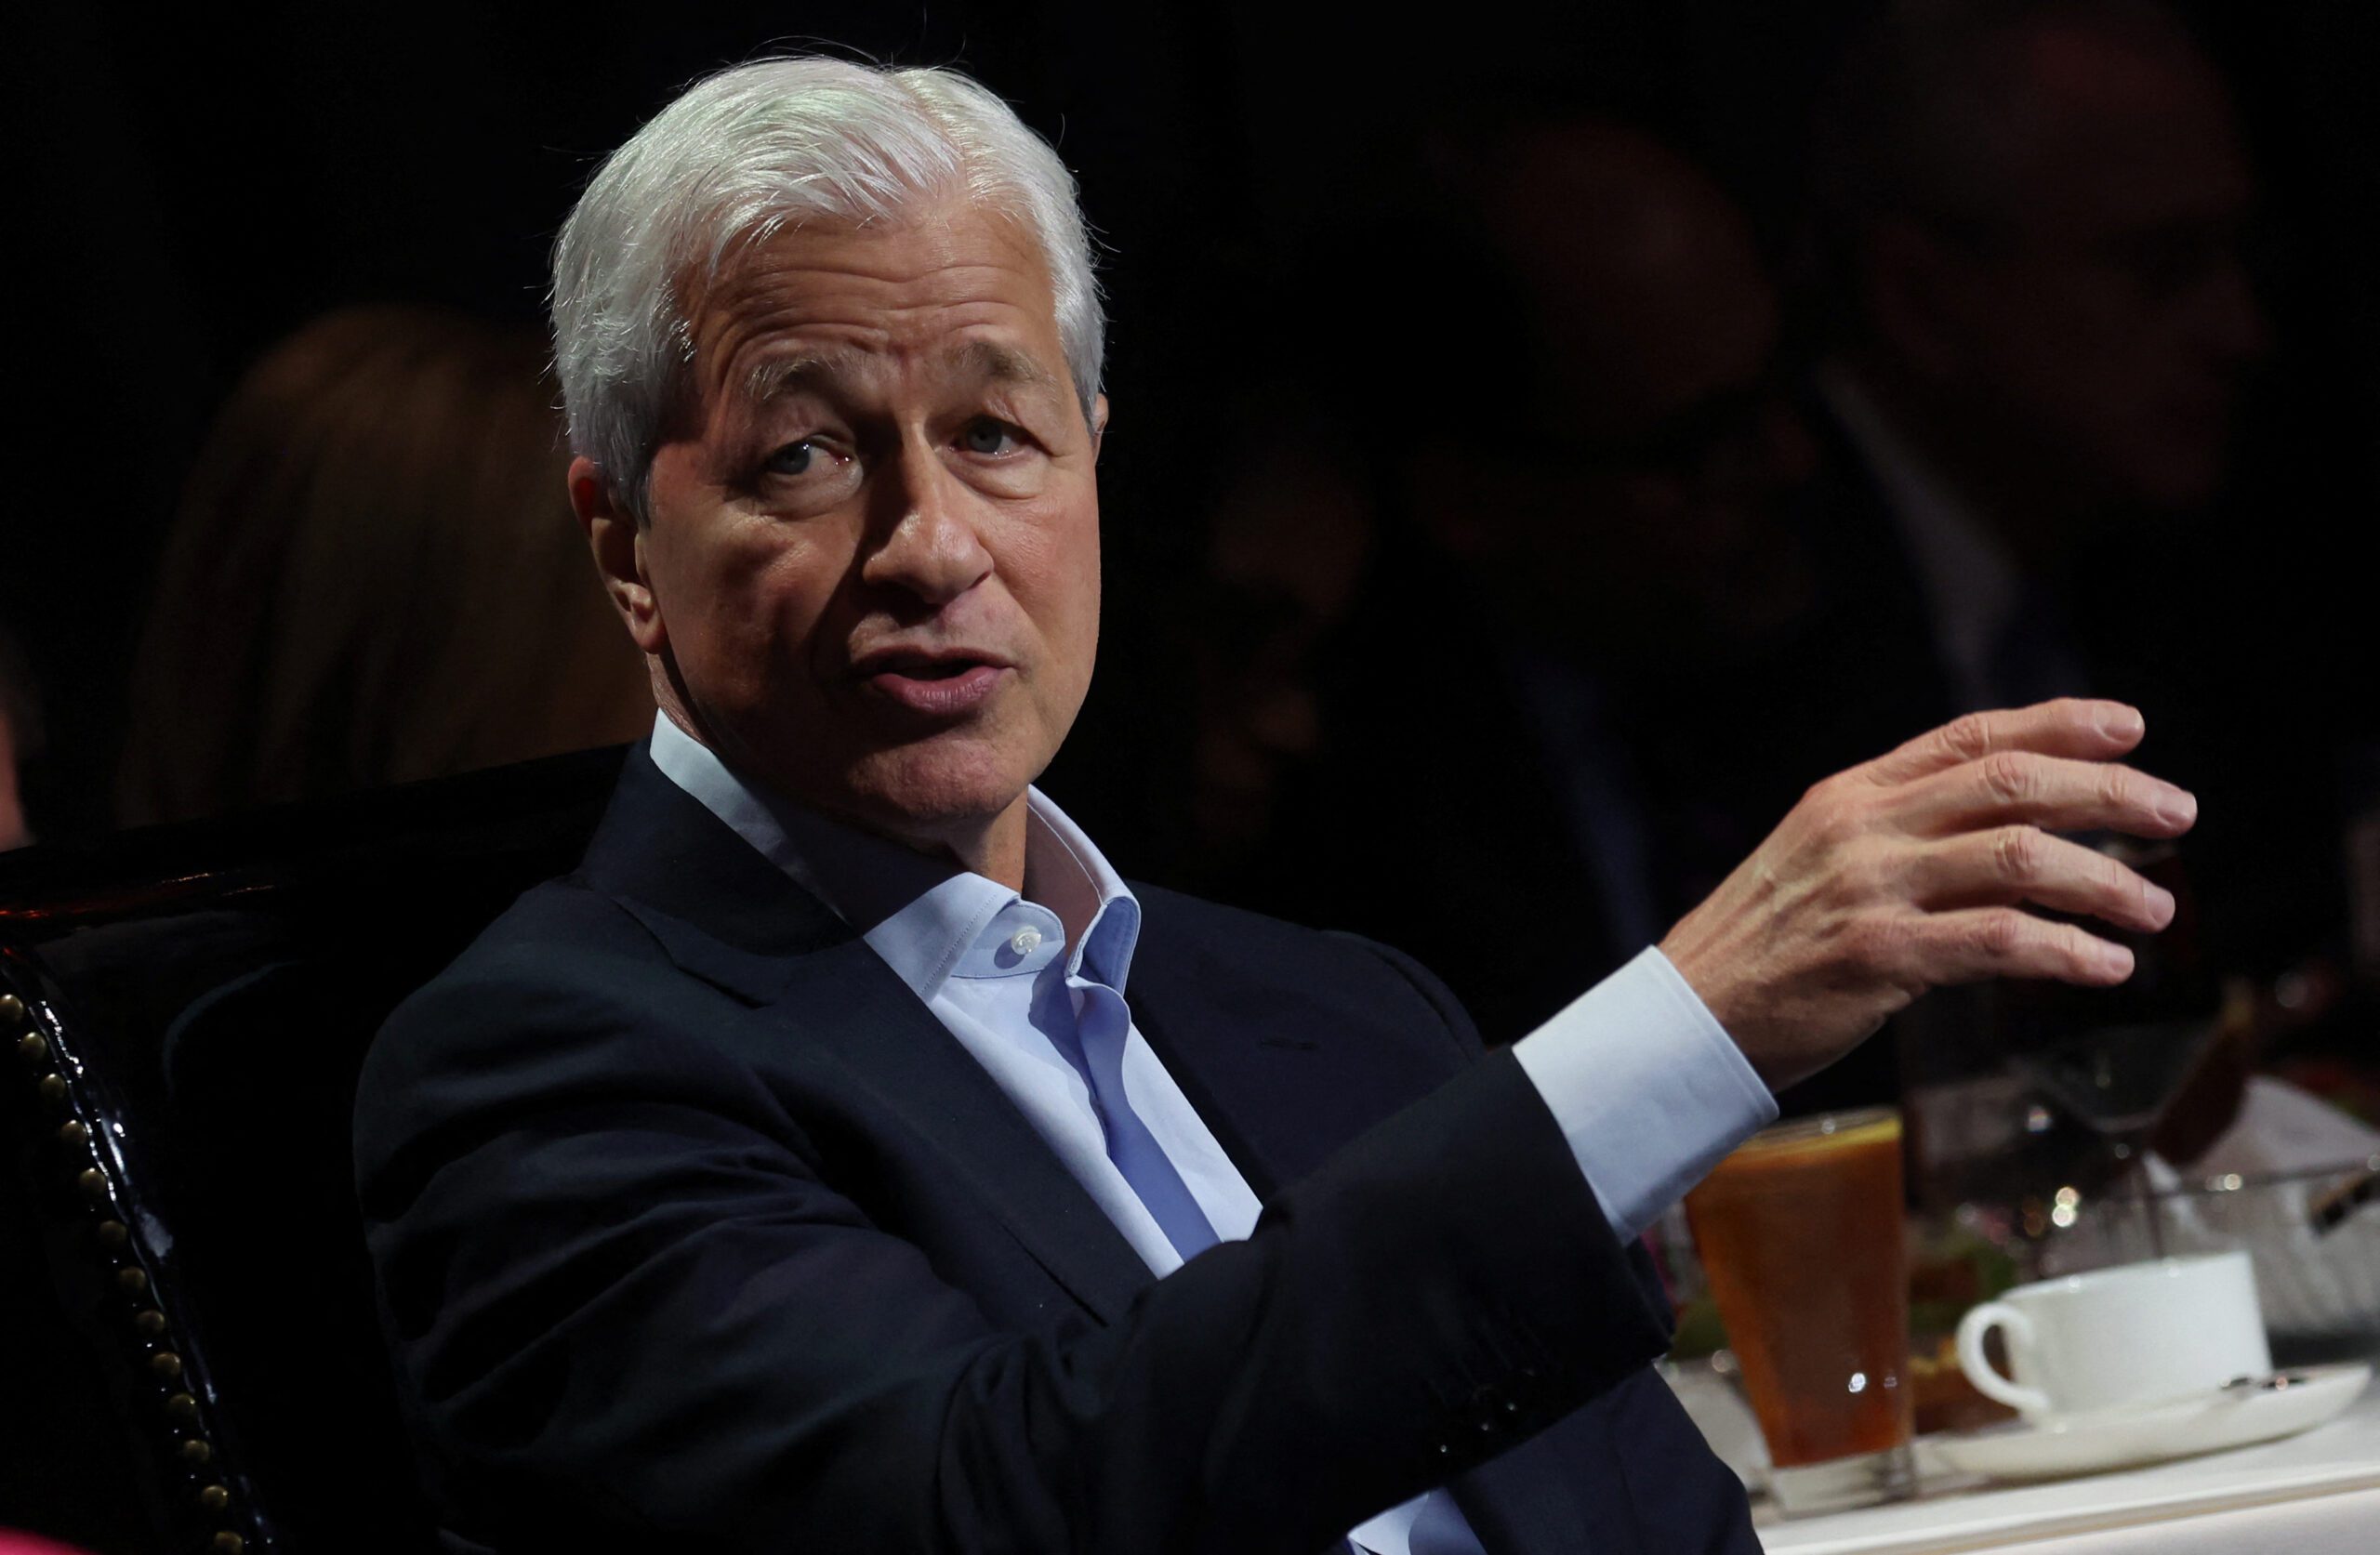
<point x="189" y="1356"/>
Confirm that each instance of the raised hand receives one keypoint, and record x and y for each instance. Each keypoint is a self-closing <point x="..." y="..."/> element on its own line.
<point x="1905" y="874"/>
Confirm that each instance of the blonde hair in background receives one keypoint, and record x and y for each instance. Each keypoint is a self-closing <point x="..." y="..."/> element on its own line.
<point x="20" y="739"/>
<point x="375" y="577"/>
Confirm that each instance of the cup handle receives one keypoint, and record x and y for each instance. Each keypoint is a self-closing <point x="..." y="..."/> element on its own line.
<point x="1989" y="1383"/>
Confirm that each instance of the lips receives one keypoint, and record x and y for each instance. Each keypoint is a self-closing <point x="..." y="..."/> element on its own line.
<point x="937" y="682"/>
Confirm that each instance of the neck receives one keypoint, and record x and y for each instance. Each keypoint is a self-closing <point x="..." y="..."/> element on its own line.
<point x="994" y="848"/>
<point x="991" y="846"/>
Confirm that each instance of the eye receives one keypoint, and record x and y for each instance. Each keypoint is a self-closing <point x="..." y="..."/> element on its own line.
<point x="794" y="458"/>
<point x="989" y="436"/>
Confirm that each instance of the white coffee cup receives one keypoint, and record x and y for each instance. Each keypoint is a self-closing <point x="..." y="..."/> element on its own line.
<point x="2139" y="1334"/>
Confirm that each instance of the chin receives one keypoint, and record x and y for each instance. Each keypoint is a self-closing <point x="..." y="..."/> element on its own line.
<point x="938" y="785"/>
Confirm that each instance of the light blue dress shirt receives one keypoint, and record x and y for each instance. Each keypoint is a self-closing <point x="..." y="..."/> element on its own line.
<point x="1648" y="1088"/>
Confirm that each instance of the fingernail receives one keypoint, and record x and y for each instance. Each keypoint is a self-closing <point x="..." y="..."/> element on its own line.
<point x="2120" y="723"/>
<point x="2117" y="959"/>
<point x="2161" y="902"/>
<point x="2178" y="808"/>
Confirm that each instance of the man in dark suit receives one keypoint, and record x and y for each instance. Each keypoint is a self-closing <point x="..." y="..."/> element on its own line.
<point x="1570" y="599"/>
<point x="845" y="1158"/>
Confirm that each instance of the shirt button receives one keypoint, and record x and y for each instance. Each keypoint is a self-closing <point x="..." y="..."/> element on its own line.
<point x="1026" y="942"/>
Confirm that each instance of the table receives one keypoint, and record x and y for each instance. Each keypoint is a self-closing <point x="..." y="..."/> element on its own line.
<point x="2314" y="1494"/>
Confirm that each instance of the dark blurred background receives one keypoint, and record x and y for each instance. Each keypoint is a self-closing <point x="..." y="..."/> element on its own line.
<point x="1482" y="482"/>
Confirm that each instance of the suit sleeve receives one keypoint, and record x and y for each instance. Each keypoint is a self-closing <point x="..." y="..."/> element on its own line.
<point x="627" y="1305"/>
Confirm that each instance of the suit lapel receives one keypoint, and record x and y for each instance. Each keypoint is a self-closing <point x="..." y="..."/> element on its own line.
<point x="1281" y="1080"/>
<point x="727" y="915"/>
<point x="1207" y="1075"/>
<point x="848" y="1003"/>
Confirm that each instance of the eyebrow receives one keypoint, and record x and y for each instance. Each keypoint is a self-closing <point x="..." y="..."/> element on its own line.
<point x="987" y="360"/>
<point x="792" y="375"/>
<point x="997" y="363"/>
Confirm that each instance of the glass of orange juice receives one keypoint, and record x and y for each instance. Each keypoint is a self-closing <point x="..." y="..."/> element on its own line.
<point x="1800" y="1233"/>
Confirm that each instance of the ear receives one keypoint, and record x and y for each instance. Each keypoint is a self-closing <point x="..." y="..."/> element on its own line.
<point x="618" y="545"/>
<point x="1098" y="425"/>
<point x="1916" y="287"/>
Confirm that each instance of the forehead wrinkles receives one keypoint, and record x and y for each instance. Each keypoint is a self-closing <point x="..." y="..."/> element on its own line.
<point x="850" y="292"/>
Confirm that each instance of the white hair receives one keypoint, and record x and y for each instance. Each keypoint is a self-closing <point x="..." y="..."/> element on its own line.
<point x="751" y="152"/>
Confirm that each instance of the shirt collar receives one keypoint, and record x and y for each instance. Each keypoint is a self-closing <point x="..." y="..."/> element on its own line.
<point x="927" y="919"/>
<point x="1968" y="576"/>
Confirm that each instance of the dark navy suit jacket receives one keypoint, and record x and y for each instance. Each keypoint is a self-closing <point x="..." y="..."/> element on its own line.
<point x="695" y="1230"/>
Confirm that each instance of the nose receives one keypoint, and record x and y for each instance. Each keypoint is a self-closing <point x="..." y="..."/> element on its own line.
<point x="925" y="542"/>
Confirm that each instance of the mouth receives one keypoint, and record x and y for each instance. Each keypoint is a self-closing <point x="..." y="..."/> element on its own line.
<point x="935" y="682"/>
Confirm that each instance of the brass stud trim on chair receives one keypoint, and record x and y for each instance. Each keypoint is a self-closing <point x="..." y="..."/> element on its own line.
<point x="178" y="1381"/>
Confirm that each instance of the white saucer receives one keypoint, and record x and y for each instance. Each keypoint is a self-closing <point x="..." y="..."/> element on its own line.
<point x="2127" y="1438"/>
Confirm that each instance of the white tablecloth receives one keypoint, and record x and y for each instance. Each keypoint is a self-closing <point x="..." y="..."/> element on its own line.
<point x="2314" y="1494"/>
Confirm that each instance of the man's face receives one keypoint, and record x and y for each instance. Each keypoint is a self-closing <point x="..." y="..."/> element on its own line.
<point x="873" y="551"/>
<point x="2106" y="331"/>
<point x="1634" y="494"/>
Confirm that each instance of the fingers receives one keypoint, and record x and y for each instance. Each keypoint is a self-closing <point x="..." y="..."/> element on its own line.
<point x="2022" y="863"/>
<point x="2070" y="727"/>
<point x="2047" y="791"/>
<point x="1981" y="942"/>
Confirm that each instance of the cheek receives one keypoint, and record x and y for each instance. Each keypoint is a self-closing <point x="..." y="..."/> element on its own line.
<point x="744" y="603"/>
<point x="1052" y="567"/>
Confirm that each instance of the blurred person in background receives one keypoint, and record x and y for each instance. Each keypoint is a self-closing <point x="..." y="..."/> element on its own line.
<point x="2033" y="224"/>
<point x="1289" y="540"/>
<point x="373" y="578"/>
<point x="2035" y="212"/>
<point x="1555" y="583"/>
<point x="19" y="739"/>
<point x="2034" y="220"/>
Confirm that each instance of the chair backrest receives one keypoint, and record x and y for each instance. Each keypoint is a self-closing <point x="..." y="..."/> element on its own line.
<point x="188" y="1007"/>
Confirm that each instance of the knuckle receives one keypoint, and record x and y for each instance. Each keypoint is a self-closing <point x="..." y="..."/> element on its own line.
<point x="1860" y="874"/>
<point x="2017" y="851"/>
<point x="1999" y="935"/>
<point x="2082" y="951"/>
<point x="1873" y="943"/>
<point x="2008" y="776"/>
<point x="1834" y="817"/>
<point x="2116" y="788"/>
<point x="1968" y="736"/>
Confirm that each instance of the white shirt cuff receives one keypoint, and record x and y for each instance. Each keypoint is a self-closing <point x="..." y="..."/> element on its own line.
<point x="1648" y="1088"/>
